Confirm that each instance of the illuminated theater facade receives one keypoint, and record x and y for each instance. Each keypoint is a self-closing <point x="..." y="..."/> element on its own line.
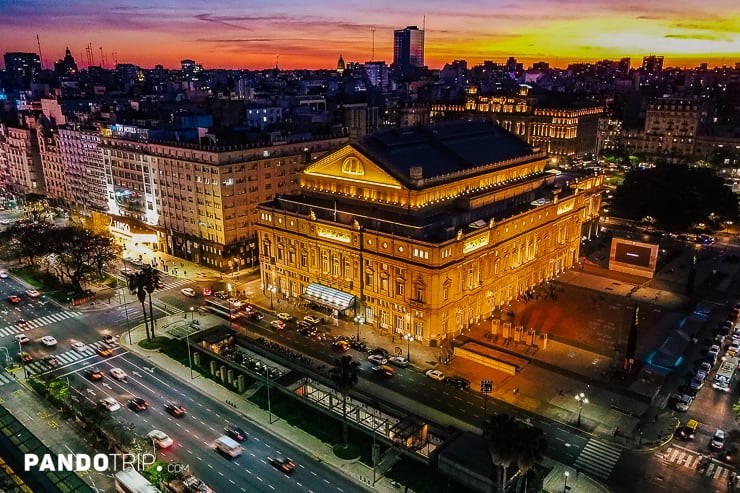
<point x="423" y="231"/>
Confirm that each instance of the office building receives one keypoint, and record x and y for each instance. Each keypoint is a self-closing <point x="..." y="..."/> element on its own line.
<point x="408" y="49"/>
<point x="21" y="68"/>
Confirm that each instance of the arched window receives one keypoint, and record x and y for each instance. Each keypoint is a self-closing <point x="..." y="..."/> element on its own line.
<point x="352" y="166"/>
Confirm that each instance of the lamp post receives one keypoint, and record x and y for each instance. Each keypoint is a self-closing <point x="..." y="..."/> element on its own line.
<point x="190" y="360"/>
<point x="582" y="399"/>
<point x="408" y="338"/>
<point x="23" y="363"/>
<point x="192" y="314"/>
<point x="272" y="289"/>
<point x="231" y="315"/>
<point x="565" y="486"/>
<point x="357" y="323"/>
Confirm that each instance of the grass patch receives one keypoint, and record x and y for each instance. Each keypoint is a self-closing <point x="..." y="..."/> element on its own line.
<point x="155" y="343"/>
<point x="349" y="453"/>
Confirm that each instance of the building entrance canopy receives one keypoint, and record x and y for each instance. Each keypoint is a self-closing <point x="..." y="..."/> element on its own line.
<point x="329" y="297"/>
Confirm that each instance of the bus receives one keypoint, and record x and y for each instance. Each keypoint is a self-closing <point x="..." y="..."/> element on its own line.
<point x="222" y="310"/>
<point x="723" y="378"/>
<point x="130" y="481"/>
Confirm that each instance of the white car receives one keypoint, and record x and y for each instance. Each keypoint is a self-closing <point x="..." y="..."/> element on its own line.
<point x="312" y="320"/>
<point x="438" y="375"/>
<point x="48" y="341"/>
<point x="110" y="404"/>
<point x="377" y="359"/>
<point x="161" y="438"/>
<point x="188" y="292"/>
<point x="118" y="374"/>
<point x="3" y="274"/>
<point x="33" y="293"/>
<point x="684" y="403"/>
<point x="21" y="338"/>
<point x="718" y="440"/>
<point x="284" y="316"/>
<point x="79" y="346"/>
<point x="398" y="361"/>
<point x="234" y="302"/>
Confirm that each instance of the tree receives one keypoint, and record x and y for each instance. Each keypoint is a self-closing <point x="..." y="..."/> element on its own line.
<point x="530" y="449"/>
<point x="137" y="286"/>
<point x="152" y="279"/>
<point x="500" y="429"/>
<point x="344" y="374"/>
<point x="29" y="239"/>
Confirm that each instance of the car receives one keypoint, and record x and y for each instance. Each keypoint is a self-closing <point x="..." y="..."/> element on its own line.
<point x="25" y="357"/>
<point x="21" y="338"/>
<point x="380" y="351"/>
<point x="109" y="339"/>
<point x="79" y="346"/>
<point x="53" y="361"/>
<point x="718" y="440"/>
<point x="14" y="298"/>
<point x="127" y="271"/>
<point x="174" y="409"/>
<point x="714" y="349"/>
<point x="358" y="346"/>
<point x="207" y="291"/>
<point x="33" y="293"/>
<point x="302" y="324"/>
<point x="705" y="367"/>
<point x="160" y="438"/>
<point x="118" y="374"/>
<point x="340" y="345"/>
<point x="307" y="331"/>
<point x="438" y="375"/>
<point x="687" y="431"/>
<point x="282" y="463"/>
<point x="3" y="274"/>
<point x="285" y="317"/>
<point x="188" y="292"/>
<point x="733" y="349"/>
<point x="384" y="370"/>
<point x="234" y="302"/>
<point x="377" y="359"/>
<point x="105" y="351"/>
<point x="221" y="295"/>
<point x="312" y="319"/>
<point x="195" y="485"/>
<point x="256" y="315"/>
<point x="399" y="361"/>
<point x="48" y="341"/>
<point x="21" y="323"/>
<point x="684" y="403"/>
<point x="110" y="404"/>
<point x="94" y="373"/>
<point x="137" y="404"/>
<point x="696" y="384"/>
<point x="278" y="324"/>
<point x="459" y="382"/>
<point x="235" y="432"/>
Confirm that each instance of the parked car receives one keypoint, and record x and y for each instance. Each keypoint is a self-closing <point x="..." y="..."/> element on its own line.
<point x="734" y="348"/>
<point x="459" y="382"/>
<point x="718" y="440"/>
<point x="687" y="431"/>
<point x="377" y="359"/>
<point x="398" y="361"/>
<point x="698" y="381"/>
<point x="684" y="403"/>
<point x="382" y="352"/>
<point x="435" y="375"/>
<point x="312" y="320"/>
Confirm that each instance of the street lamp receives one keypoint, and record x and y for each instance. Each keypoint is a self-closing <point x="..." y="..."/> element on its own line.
<point x="582" y="399"/>
<point x="565" y="486"/>
<point x="272" y="289"/>
<point x="408" y="338"/>
<point x="357" y="322"/>
<point x="192" y="314"/>
<point x="23" y="363"/>
<point x="190" y="360"/>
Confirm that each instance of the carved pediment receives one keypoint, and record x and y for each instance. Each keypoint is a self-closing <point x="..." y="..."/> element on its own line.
<point x="348" y="164"/>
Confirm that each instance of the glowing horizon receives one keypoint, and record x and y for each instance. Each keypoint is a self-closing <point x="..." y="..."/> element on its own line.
<point x="163" y="32"/>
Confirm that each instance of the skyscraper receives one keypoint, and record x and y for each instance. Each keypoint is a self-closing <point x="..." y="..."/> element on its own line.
<point x="21" y="67"/>
<point x="408" y="49"/>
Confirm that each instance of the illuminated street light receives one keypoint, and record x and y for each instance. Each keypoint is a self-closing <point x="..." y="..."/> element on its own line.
<point x="408" y="338"/>
<point x="272" y="289"/>
<point x="582" y="399"/>
<point x="565" y="486"/>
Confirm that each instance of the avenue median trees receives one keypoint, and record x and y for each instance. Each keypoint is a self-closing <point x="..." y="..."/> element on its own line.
<point x="137" y="285"/>
<point x="511" y="441"/>
<point x="344" y="374"/>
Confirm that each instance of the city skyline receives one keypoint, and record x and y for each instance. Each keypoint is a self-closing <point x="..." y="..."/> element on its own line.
<point x="262" y="34"/>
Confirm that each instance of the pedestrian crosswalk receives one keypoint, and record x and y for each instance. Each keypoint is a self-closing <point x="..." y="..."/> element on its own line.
<point x="39" y="366"/>
<point x="10" y="330"/>
<point x="598" y="458"/>
<point x="690" y="459"/>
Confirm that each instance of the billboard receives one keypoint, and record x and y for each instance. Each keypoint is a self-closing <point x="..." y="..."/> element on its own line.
<point x="633" y="257"/>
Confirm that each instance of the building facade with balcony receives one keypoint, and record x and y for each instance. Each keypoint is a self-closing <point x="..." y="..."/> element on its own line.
<point x="424" y="231"/>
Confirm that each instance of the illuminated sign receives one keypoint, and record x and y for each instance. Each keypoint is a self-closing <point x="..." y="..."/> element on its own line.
<point x="475" y="243"/>
<point x="333" y="234"/>
<point x="120" y="226"/>
<point x="564" y="207"/>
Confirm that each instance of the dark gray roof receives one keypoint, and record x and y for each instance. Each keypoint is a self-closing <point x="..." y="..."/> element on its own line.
<point x="441" y="149"/>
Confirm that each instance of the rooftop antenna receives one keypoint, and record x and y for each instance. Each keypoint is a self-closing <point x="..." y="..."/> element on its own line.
<point x="372" y="57"/>
<point x="277" y="62"/>
<point x="424" y="23"/>
<point x="41" y="58"/>
<point x="102" y="62"/>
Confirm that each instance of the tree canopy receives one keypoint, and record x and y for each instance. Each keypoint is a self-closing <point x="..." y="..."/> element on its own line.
<point x="678" y="196"/>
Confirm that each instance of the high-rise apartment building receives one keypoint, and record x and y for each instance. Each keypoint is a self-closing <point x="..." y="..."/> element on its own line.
<point x="408" y="49"/>
<point x="424" y="231"/>
<point x="23" y="160"/>
<point x="652" y="64"/>
<point x="83" y="166"/>
<point x="21" y="67"/>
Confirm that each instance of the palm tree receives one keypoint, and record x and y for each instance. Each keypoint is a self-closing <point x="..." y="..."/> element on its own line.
<point x="152" y="279"/>
<point x="500" y="429"/>
<point x="344" y="374"/>
<point x="136" y="286"/>
<point x="530" y="449"/>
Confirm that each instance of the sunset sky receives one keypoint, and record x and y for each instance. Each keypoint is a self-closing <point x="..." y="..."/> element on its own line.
<point x="253" y="33"/>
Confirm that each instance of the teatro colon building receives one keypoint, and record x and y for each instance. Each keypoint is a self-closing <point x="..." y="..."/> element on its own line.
<point x="423" y="231"/>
